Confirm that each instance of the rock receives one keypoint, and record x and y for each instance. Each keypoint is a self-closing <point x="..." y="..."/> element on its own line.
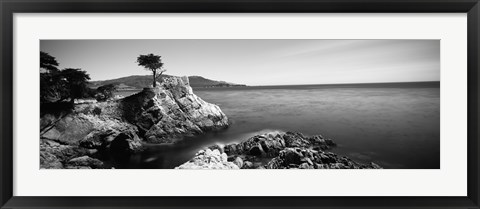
<point x="164" y="114"/>
<point x="84" y="162"/>
<point x="321" y="166"/>
<point x="295" y="140"/>
<point x="208" y="159"/>
<point x="238" y="161"/>
<point x="49" y="161"/>
<point x="170" y="111"/>
<point x="224" y="157"/>
<point x="290" y="156"/>
<point x="231" y="149"/>
<point x="337" y="166"/>
<point x="305" y="166"/>
<point x="53" y="152"/>
<point x="256" y="151"/>
<point x="217" y="146"/>
<point x="288" y="150"/>
<point x="275" y="163"/>
<point x="330" y="142"/>
<point x="85" y="129"/>
<point x="307" y="160"/>
<point x="375" y="166"/>
<point x="247" y="165"/>
<point x="261" y="145"/>
<point x="122" y="146"/>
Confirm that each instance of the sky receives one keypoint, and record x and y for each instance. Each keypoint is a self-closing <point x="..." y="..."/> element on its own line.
<point x="258" y="61"/>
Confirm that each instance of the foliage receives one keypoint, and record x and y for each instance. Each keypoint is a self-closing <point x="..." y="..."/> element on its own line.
<point x="76" y="82"/>
<point x="48" y="62"/>
<point x="153" y="63"/>
<point x="105" y="92"/>
<point x="58" y="85"/>
<point x="51" y="83"/>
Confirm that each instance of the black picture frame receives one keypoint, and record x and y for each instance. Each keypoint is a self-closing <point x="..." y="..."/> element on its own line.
<point x="9" y="7"/>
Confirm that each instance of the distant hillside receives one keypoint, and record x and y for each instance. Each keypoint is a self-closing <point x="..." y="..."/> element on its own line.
<point x="141" y="81"/>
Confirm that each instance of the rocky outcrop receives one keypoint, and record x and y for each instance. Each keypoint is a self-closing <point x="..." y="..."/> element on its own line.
<point x="279" y="150"/>
<point x="270" y="144"/>
<point x="164" y="114"/>
<point x="171" y="111"/>
<point x="303" y="158"/>
<point x="208" y="159"/>
<point x="54" y="155"/>
<point x="84" y="162"/>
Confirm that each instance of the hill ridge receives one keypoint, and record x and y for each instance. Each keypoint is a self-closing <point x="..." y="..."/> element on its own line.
<point x="141" y="81"/>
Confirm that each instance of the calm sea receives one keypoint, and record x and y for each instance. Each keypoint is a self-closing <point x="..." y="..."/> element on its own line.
<point x="395" y="125"/>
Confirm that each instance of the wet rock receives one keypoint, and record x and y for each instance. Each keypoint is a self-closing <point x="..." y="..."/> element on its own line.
<point x="290" y="156"/>
<point x="217" y="146"/>
<point x="305" y="158"/>
<point x="256" y="151"/>
<point x="84" y="162"/>
<point x="275" y="163"/>
<point x="261" y="145"/>
<point x="290" y="150"/>
<point x="375" y="166"/>
<point x="330" y="142"/>
<point x="305" y="166"/>
<point x="238" y="161"/>
<point x="337" y="166"/>
<point x="231" y="149"/>
<point x="247" y="165"/>
<point x="295" y="140"/>
<point x="208" y="159"/>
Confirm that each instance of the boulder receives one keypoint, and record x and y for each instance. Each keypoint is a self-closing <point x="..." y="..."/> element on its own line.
<point x="305" y="166"/>
<point x="49" y="161"/>
<point x="247" y="165"/>
<point x="84" y="162"/>
<point x="52" y="153"/>
<point x="208" y="159"/>
<point x="256" y="151"/>
<point x="290" y="156"/>
<point x="238" y="161"/>
<point x="295" y="140"/>
<point x="375" y="166"/>
<point x="275" y="163"/>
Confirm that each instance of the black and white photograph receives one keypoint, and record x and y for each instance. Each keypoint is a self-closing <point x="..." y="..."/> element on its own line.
<point x="239" y="104"/>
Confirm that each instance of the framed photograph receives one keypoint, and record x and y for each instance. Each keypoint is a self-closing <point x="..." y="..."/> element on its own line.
<point x="239" y="104"/>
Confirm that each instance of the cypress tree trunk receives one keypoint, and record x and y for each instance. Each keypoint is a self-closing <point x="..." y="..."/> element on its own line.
<point x="154" y="78"/>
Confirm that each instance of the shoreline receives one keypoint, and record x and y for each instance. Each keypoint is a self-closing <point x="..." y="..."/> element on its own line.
<point x="274" y="150"/>
<point x="119" y="127"/>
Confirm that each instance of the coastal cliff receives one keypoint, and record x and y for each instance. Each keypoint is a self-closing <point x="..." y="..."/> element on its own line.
<point x="82" y="137"/>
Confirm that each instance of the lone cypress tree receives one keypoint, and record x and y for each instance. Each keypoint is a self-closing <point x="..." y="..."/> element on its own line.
<point x="153" y="63"/>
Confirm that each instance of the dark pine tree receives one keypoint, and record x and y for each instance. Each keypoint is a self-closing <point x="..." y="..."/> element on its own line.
<point x="76" y="82"/>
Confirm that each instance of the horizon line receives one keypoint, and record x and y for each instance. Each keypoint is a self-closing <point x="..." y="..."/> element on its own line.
<point x="347" y="83"/>
<point x="281" y="84"/>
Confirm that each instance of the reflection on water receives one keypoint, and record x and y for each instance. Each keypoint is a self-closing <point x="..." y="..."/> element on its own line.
<point x="394" y="126"/>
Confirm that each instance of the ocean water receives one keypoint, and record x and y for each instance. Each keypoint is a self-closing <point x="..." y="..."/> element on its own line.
<point x="394" y="125"/>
